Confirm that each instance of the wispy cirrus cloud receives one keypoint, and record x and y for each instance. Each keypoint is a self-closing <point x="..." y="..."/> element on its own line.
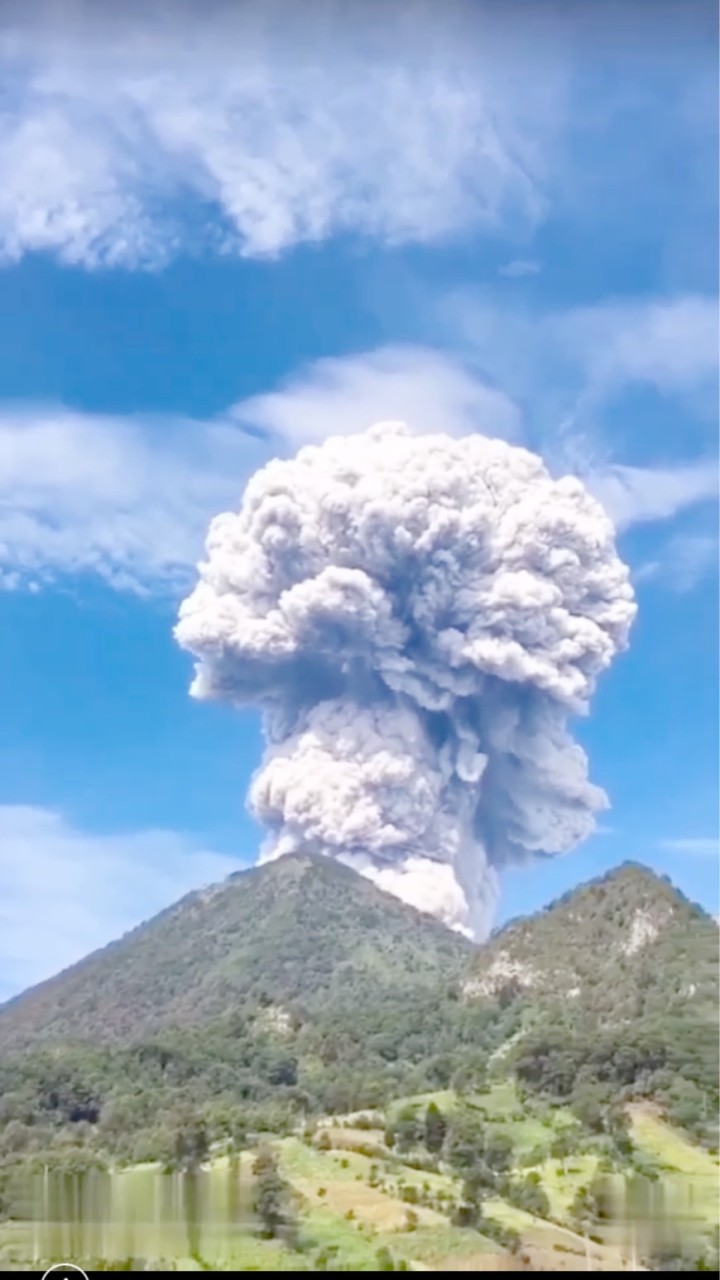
<point x="571" y="371"/>
<point x="583" y="356"/>
<point x="437" y="390"/>
<point x="637" y="495"/>
<point x="64" y="891"/>
<point x="129" y="499"/>
<point x="694" y="846"/>
<point x="431" y="389"/>
<point x="669" y="342"/>
<point x="124" y="499"/>
<point x="129" y="135"/>
<point x="532" y="377"/>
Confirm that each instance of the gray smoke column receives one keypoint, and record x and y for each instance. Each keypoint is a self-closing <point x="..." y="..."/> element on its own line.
<point x="417" y="616"/>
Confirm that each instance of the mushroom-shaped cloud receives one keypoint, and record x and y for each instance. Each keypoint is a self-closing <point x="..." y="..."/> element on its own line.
<point x="418" y="617"/>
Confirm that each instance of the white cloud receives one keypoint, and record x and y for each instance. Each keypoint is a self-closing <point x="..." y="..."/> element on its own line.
<point x="126" y="499"/>
<point x="435" y="391"/>
<point x="584" y="356"/>
<point x="636" y="495"/>
<point x="671" y="343"/>
<point x="128" y="131"/>
<point x="429" y="389"/>
<point x="131" y="132"/>
<point x="695" y="846"/>
<point x="129" y="499"/>
<point x="568" y="370"/>
<point x="65" y="892"/>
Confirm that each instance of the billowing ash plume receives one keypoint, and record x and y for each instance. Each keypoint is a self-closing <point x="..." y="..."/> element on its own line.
<point x="417" y="616"/>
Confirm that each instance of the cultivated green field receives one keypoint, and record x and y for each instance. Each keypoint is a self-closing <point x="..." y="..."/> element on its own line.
<point x="354" y="1197"/>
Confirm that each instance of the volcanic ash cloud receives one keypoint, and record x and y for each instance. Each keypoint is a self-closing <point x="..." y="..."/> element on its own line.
<point x="417" y="616"/>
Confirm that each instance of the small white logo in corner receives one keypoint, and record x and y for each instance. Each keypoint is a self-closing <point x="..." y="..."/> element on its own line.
<point x="61" y="1269"/>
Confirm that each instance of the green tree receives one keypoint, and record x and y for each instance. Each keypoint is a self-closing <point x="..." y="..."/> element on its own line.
<point x="435" y="1128"/>
<point x="237" y="1132"/>
<point x="407" y="1129"/>
<point x="583" y="1211"/>
<point x="513" y="1240"/>
<point x="564" y="1144"/>
<point x="498" y="1150"/>
<point x="588" y="1102"/>
<point x="14" y="1137"/>
<point x="529" y="1195"/>
<point x="465" y="1142"/>
<point x="191" y="1144"/>
<point x="272" y="1199"/>
<point x="467" y="1213"/>
<point x="617" y="1128"/>
<point x="469" y="1078"/>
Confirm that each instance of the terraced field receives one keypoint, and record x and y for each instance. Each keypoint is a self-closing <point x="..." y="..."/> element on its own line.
<point x="355" y="1199"/>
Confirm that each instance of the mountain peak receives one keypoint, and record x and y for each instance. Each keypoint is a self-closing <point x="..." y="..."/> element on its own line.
<point x="295" y="928"/>
<point x="615" y="944"/>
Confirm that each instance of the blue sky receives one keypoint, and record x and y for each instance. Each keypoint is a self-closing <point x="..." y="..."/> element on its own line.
<point x="221" y="236"/>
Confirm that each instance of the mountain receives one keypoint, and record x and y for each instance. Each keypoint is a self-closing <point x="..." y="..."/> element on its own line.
<point x="619" y="991"/>
<point x="300" y="988"/>
<point x="625" y="946"/>
<point x="300" y="929"/>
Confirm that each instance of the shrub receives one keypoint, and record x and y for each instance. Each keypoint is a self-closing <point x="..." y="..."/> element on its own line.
<point x="364" y="1122"/>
